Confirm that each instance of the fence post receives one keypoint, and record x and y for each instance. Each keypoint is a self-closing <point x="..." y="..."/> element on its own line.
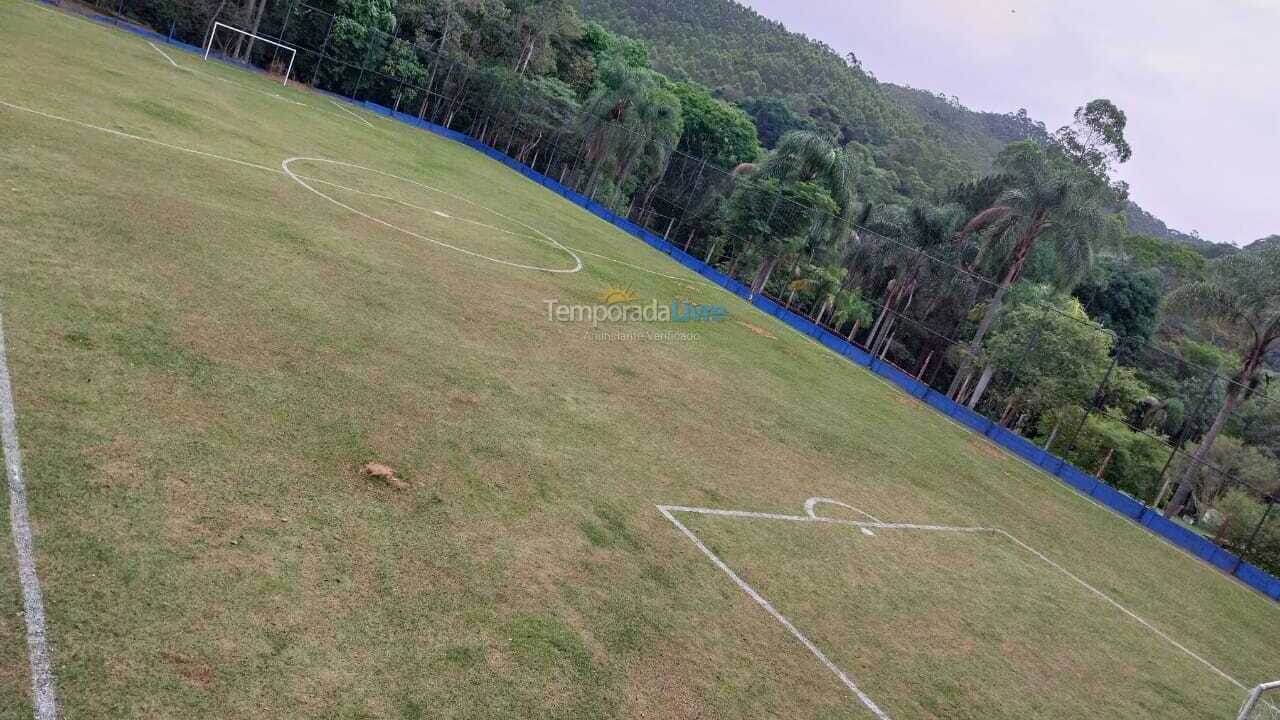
<point x="283" y="27"/>
<point x="1097" y="395"/>
<point x="1271" y="503"/>
<point x="1026" y="352"/>
<point x="1161" y="482"/>
<point x="323" y="46"/>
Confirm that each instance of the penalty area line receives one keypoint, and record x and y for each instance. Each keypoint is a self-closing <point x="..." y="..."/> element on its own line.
<point x="866" y="528"/>
<point x="357" y="117"/>
<point x="845" y="680"/>
<point x="163" y="54"/>
<point x="42" y="679"/>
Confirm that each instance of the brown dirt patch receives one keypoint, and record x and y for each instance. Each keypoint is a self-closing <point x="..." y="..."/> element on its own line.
<point x="193" y="671"/>
<point x="757" y="330"/>
<point x="986" y="449"/>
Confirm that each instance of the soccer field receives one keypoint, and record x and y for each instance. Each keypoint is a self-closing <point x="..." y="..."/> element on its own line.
<point x="221" y="297"/>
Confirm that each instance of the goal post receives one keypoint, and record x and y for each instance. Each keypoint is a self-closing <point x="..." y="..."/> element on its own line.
<point x="223" y="26"/>
<point x="1263" y="703"/>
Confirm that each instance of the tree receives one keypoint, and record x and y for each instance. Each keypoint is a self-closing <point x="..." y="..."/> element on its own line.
<point x="630" y="125"/>
<point x="359" y="40"/>
<point x="1044" y="200"/>
<point x="812" y="201"/>
<point x="714" y="130"/>
<point x="1124" y="301"/>
<point x="925" y="231"/>
<point x="539" y="26"/>
<point x="774" y="118"/>
<point x="1052" y="354"/>
<point x="773" y="219"/>
<point x="1240" y="304"/>
<point x="1096" y="141"/>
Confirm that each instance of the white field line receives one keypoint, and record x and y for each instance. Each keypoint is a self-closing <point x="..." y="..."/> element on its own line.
<point x="163" y="54"/>
<point x="285" y="167"/>
<point x="357" y="117"/>
<point x="214" y="156"/>
<point x="42" y="680"/>
<point x="866" y="701"/>
<point x="508" y="232"/>
<point x="809" y="516"/>
<point x="813" y="502"/>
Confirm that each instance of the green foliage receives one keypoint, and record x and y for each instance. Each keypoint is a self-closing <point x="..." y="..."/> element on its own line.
<point x="631" y="123"/>
<point x="1136" y="459"/>
<point x="1069" y="354"/>
<point x="1241" y="512"/>
<point x="734" y="50"/>
<point x="1123" y="301"/>
<point x="774" y="118"/>
<point x="1095" y="141"/>
<point x="1227" y="463"/>
<point x="715" y="130"/>
<point x="754" y="216"/>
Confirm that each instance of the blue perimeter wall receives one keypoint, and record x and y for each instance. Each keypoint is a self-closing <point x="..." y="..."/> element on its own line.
<point x="1081" y="481"/>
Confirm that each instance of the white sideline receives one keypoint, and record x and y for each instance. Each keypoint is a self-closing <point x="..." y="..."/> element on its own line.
<point x="163" y="54"/>
<point x="42" y="680"/>
<point x="668" y="511"/>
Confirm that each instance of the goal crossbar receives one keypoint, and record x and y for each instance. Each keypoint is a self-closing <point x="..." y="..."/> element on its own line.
<point x="293" y="53"/>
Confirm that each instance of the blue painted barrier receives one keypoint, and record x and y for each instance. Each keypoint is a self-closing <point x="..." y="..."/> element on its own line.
<point x="1075" y="477"/>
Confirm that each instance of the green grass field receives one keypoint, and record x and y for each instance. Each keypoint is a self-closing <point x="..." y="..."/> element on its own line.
<point x="204" y="354"/>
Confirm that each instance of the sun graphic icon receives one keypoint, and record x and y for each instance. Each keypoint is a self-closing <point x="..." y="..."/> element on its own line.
<point x="613" y="296"/>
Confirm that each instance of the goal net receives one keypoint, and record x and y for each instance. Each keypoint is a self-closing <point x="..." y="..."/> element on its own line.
<point x="230" y="34"/>
<point x="1263" y="703"/>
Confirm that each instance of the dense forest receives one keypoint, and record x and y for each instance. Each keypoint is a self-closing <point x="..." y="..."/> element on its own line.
<point x="993" y="258"/>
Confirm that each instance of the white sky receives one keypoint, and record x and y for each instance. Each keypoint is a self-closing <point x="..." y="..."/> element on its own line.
<point x="1198" y="79"/>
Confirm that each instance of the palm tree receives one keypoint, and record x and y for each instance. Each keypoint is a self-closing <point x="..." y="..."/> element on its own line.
<point x="924" y="231"/>
<point x="806" y="159"/>
<point x="1044" y="202"/>
<point x="1240" y="303"/>
<point x="825" y="283"/>
<point x="629" y="121"/>
<point x="850" y="307"/>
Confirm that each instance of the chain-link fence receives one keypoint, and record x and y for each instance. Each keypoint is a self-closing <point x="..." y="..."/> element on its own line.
<point x="1132" y="410"/>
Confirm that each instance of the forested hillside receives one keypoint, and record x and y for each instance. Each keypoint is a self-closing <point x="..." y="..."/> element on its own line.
<point x="1142" y="222"/>
<point x="753" y="61"/>
<point x="975" y="137"/>
<point x="785" y="79"/>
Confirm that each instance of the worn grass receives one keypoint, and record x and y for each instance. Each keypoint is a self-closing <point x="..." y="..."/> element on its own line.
<point x="205" y="353"/>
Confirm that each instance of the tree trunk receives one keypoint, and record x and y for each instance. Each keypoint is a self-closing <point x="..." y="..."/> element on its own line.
<point x="212" y="19"/>
<point x="1185" y="485"/>
<point x="854" y="330"/>
<point x="257" y="21"/>
<point x="993" y="309"/>
<point x="762" y="275"/>
<point x="1053" y="435"/>
<point x="983" y="381"/>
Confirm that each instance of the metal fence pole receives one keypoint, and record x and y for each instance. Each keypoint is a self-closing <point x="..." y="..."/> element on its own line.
<point x="1244" y="552"/>
<point x="275" y="52"/>
<point x="1097" y="395"/>
<point x="323" y="46"/>
<point x="1162" y="484"/>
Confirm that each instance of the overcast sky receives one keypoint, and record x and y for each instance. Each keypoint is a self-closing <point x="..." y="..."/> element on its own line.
<point x="1199" y="80"/>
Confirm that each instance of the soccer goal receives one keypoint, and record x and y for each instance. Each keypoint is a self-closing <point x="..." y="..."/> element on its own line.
<point x="1263" y="703"/>
<point x="213" y="34"/>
